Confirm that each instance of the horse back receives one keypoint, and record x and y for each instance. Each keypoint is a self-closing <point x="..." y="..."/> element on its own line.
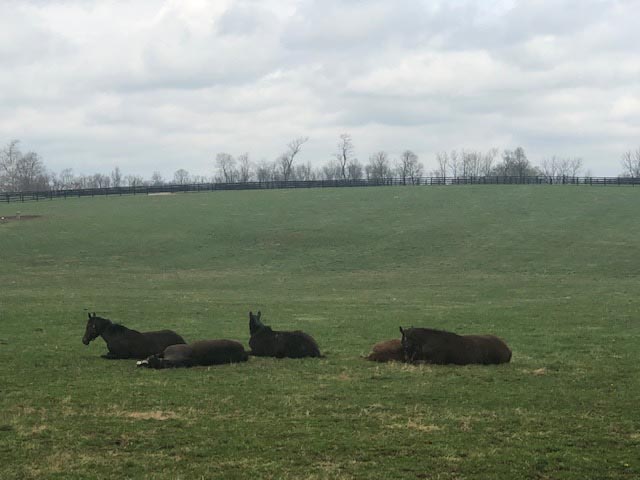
<point x="281" y="344"/>
<point x="387" y="351"/>
<point x="442" y="347"/>
<point x="159" y="340"/>
<point x="134" y="344"/>
<point x="202" y="352"/>
<point x="298" y="344"/>
<point x="488" y="349"/>
<point x="435" y="346"/>
<point x="214" y="352"/>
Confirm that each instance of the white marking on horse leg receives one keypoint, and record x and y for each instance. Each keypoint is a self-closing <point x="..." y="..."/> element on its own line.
<point x="142" y="363"/>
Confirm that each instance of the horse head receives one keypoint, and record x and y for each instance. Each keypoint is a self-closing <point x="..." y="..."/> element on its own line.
<point x="406" y="344"/>
<point x="255" y="325"/>
<point x="95" y="327"/>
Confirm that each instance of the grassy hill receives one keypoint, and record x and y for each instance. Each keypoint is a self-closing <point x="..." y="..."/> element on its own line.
<point x="552" y="270"/>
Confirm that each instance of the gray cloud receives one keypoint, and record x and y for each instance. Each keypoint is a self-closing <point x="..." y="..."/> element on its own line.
<point x="155" y="85"/>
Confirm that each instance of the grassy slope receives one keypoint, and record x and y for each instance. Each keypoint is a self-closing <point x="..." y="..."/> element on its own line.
<point x="552" y="270"/>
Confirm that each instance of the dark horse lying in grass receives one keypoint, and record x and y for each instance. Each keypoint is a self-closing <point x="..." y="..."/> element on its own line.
<point x="125" y="343"/>
<point x="265" y="342"/>
<point x="203" y="352"/>
<point x="440" y="347"/>
<point x="387" y="351"/>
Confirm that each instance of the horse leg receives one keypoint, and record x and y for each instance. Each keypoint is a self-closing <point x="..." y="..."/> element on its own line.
<point x="114" y="356"/>
<point x="157" y="362"/>
<point x="154" y="361"/>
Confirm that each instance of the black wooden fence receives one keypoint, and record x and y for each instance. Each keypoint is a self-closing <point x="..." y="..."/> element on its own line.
<point x="7" y="197"/>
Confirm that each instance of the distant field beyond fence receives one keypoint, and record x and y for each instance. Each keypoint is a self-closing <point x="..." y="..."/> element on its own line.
<point x="421" y="181"/>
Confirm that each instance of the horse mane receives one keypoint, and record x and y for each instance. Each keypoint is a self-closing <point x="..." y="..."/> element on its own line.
<point x="113" y="326"/>
<point x="117" y="327"/>
<point x="437" y="331"/>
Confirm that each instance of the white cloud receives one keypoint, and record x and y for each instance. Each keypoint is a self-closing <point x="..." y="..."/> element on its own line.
<point x="152" y="85"/>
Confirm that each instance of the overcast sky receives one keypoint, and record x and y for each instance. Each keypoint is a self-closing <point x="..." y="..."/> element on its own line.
<point x="160" y="85"/>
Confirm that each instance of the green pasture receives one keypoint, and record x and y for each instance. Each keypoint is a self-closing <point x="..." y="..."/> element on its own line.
<point x="552" y="270"/>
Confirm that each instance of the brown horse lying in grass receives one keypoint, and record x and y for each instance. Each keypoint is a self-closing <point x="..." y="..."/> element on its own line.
<point x="387" y="351"/>
<point x="203" y="352"/>
<point x="265" y="342"/>
<point x="440" y="347"/>
<point x="123" y="342"/>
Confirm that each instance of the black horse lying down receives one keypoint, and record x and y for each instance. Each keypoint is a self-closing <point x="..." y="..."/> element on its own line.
<point x="265" y="342"/>
<point x="125" y="343"/>
<point x="203" y="352"/>
<point x="440" y="347"/>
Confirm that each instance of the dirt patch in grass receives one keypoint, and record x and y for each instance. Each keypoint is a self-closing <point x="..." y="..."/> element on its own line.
<point x="17" y="218"/>
<point x="415" y="425"/>
<point x="538" y="372"/>
<point x="153" y="415"/>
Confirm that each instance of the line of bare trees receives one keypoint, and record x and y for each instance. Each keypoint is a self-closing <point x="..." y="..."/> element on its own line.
<point x="343" y="165"/>
<point x="22" y="172"/>
<point x="512" y="163"/>
<point x="25" y="171"/>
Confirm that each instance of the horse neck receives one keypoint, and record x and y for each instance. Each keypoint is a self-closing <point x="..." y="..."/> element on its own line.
<point x="112" y="331"/>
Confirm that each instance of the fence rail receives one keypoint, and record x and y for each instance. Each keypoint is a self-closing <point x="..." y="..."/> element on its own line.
<point x="7" y="197"/>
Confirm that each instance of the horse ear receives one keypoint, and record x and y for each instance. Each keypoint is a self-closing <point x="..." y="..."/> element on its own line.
<point x="250" y="314"/>
<point x="89" y="313"/>
<point x="259" y="314"/>
<point x="401" y="331"/>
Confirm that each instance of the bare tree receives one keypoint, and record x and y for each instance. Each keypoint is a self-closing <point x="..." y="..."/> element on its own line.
<point x="156" y="179"/>
<point x="331" y="171"/>
<point x="285" y="161"/>
<point x="558" y="167"/>
<point x="31" y="173"/>
<point x="475" y="163"/>
<point x="344" y="155"/>
<point x="570" y="167"/>
<point x="199" y="179"/>
<point x="21" y="171"/>
<point x="134" y="180"/>
<point x="116" y="177"/>
<point x="408" y="167"/>
<point x="515" y="164"/>
<point x="304" y="172"/>
<point x="471" y="162"/>
<point x="487" y="161"/>
<point x="355" y="170"/>
<point x="64" y="180"/>
<point x="226" y="165"/>
<point x="465" y="163"/>
<point x="631" y="163"/>
<point x="442" y="160"/>
<point x="9" y="158"/>
<point x="455" y="164"/>
<point x="266" y="171"/>
<point x="244" y="168"/>
<point x="181" y="177"/>
<point x="100" y="180"/>
<point x="378" y="166"/>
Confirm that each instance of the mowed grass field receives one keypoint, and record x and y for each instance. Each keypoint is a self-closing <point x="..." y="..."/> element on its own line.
<point x="552" y="270"/>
